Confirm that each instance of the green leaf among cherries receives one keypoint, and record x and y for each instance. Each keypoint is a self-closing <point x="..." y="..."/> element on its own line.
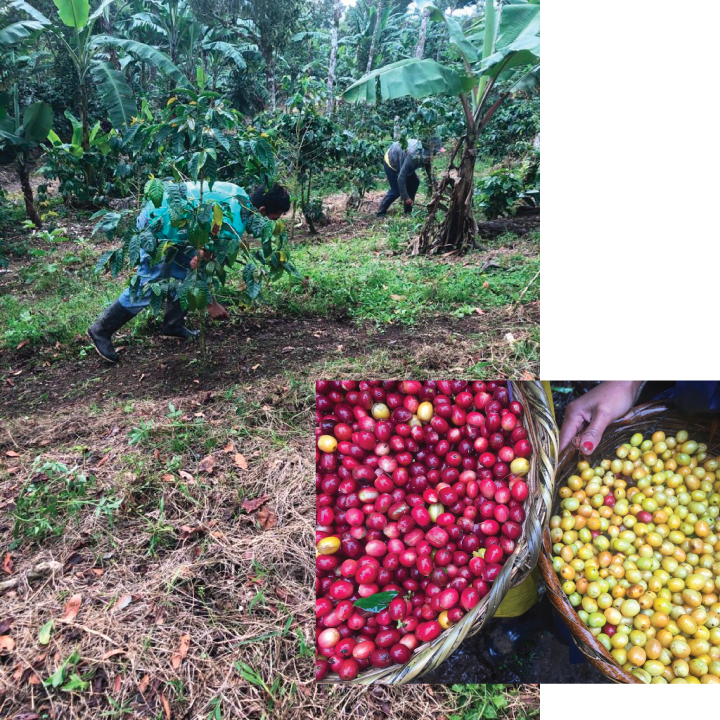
<point x="377" y="602"/>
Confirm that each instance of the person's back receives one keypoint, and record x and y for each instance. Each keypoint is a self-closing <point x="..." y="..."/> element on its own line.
<point x="395" y="156"/>
<point x="400" y="166"/>
<point x="228" y="193"/>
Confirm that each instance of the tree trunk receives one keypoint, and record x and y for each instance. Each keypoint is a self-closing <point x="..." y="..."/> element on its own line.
<point x="270" y="77"/>
<point x="24" y="175"/>
<point x="337" y="9"/>
<point x="457" y="229"/>
<point x="420" y="49"/>
<point x="107" y="27"/>
<point x="84" y="116"/>
<point x="376" y="29"/>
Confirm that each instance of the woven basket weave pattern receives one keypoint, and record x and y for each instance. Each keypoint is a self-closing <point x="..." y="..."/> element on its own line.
<point x="543" y="434"/>
<point x="645" y="419"/>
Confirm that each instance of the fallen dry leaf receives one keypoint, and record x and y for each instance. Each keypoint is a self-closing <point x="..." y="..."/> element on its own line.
<point x="5" y="625"/>
<point x="267" y="518"/>
<point x="207" y="464"/>
<point x="168" y="477"/>
<point x="255" y="367"/>
<point x="181" y="653"/>
<point x="255" y="503"/>
<point x="12" y="453"/>
<point x="143" y="684"/>
<point x="117" y="684"/>
<point x="509" y="337"/>
<point x="166" y="706"/>
<point x="229" y="447"/>
<point x="113" y="653"/>
<point x="19" y="670"/>
<point x="122" y="603"/>
<point x="7" y="565"/>
<point x="189" y="530"/>
<point x="72" y="608"/>
<point x="486" y="284"/>
<point x="7" y="644"/>
<point x="240" y="461"/>
<point x="185" y="475"/>
<point x="527" y="375"/>
<point x="479" y="311"/>
<point x="22" y="344"/>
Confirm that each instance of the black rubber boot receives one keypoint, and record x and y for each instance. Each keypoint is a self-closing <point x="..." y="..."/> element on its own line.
<point x="173" y="325"/>
<point x="385" y="204"/>
<point x="102" y="330"/>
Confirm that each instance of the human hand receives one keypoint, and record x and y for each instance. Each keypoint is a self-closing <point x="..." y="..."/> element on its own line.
<point x="217" y="311"/>
<point x="409" y="202"/>
<point x="587" y="417"/>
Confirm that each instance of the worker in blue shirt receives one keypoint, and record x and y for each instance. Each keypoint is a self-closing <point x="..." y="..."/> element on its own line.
<point x="270" y="203"/>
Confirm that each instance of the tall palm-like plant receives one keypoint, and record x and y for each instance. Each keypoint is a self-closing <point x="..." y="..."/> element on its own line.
<point x="73" y="28"/>
<point x="503" y="44"/>
<point x="19" y="134"/>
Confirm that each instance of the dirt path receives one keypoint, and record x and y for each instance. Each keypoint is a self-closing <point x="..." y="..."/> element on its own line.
<point x="155" y="367"/>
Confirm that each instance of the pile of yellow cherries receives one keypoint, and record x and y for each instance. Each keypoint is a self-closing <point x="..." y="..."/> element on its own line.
<point x="637" y="550"/>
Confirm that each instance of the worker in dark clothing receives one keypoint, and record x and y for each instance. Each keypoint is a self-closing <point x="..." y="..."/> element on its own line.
<point x="400" y="166"/>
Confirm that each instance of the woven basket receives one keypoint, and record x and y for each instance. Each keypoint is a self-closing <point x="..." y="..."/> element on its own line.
<point x="644" y="419"/>
<point x="542" y="431"/>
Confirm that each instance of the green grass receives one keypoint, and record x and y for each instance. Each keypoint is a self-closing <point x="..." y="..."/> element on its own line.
<point x="369" y="277"/>
<point x="363" y="279"/>
<point x="487" y="702"/>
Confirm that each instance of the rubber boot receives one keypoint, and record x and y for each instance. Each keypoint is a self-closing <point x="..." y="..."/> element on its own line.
<point x="386" y="202"/>
<point x="173" y="325"/>
<point x="101" y="332"/>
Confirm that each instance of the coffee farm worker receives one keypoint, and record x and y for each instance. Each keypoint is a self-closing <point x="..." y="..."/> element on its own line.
<point x="400" y="168"/>
<point x="587" y="417"/>
<point x="270" y="203"/>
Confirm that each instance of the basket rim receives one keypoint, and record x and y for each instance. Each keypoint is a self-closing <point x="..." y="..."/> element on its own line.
<point x="600" y="658"/>
<point x="515" y="569"/>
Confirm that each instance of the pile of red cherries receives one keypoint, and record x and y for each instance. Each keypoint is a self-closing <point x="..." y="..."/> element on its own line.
<point x="419" y="491"/>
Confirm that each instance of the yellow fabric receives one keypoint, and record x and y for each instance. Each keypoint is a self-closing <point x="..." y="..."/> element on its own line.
<point x="387" y="159"/>
<point x="548" y="392"/>
<point x="521" y="598"/>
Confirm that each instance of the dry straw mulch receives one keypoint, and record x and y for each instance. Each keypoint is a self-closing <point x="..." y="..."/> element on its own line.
<point x="219" y="614"/>
<point x="219" y="609"/>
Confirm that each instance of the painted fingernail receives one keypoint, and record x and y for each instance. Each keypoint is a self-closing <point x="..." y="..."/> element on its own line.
<point x="587" y="447"/>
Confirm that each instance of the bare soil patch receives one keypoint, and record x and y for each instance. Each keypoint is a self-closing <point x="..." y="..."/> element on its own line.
<point x="251" y="349"/>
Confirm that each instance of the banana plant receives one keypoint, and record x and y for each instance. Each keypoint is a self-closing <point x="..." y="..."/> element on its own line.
<point x="19" y="135"/>
<point x="503" y="44"/>
<point x="73" y="29"/>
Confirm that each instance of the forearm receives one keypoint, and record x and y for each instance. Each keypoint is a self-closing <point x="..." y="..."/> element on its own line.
<point x="635" y="387"/>
<point x="402" y="186"/>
